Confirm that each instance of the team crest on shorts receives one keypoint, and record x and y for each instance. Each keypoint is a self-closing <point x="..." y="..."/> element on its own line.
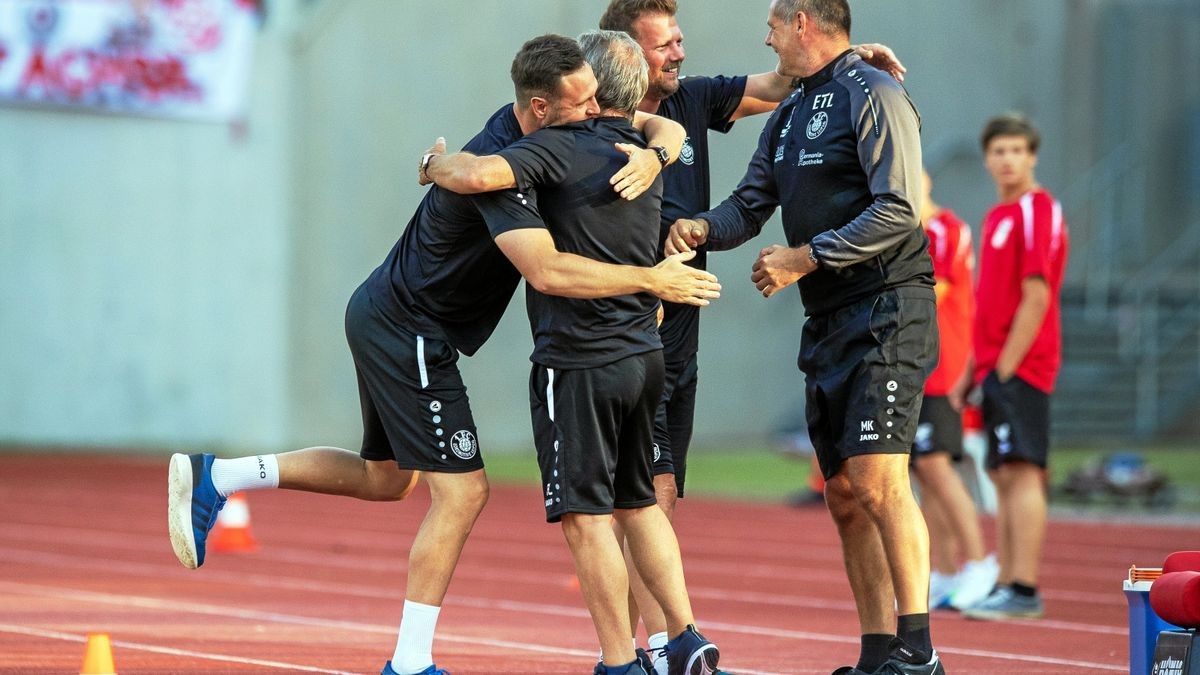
<point x="463" y="444"/>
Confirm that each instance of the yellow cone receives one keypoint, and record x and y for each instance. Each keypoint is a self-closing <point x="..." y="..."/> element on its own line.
<point x="97" y="656"/>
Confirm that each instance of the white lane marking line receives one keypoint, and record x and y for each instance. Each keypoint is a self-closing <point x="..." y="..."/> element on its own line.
<point x="170" y="651"/>
<point x="198" y="608"/>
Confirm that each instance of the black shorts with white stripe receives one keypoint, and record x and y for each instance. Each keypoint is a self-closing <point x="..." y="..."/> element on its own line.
<point x="593" y="429"/>
<point x="415" y="408"/>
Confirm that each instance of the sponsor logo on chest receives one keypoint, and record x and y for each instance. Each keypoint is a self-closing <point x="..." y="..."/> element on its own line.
<point x="1001" y="233"/>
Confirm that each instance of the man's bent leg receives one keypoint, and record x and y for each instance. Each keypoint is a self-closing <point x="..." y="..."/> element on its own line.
<point x="456" y="499"/>
<point x="335" y="471"/>
<point x="603" y="581"/>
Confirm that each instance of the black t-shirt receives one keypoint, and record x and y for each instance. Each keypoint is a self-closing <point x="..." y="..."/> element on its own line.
<point x="571" y="166"/>
<point x="445" y="278"/>
<point x="700" y="104"/>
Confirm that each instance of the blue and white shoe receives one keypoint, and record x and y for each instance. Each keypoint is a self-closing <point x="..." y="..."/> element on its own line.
<point x="690" y="653"/>
<point x="431" y="670"/>
<point x="192" y="506"/>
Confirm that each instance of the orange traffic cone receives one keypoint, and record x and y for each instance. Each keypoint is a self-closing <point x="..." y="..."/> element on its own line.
<point x="97" y="656"/>
<point x="232" y="529"/>
<point x="816" y="480"/>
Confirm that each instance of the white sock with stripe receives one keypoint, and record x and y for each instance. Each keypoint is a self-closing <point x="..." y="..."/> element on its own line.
<point x="414" y="644"/>
<point x="245" y="473"/>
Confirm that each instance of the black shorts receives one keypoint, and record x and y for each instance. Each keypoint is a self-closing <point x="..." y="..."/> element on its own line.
<point x="1016" y="416"/>
<point x="414" y="404"/>
<point x="673" y="421"/>
<point x="593" y="429"/>
<point x="939" y="429"/>
<point x="865" y="367"/>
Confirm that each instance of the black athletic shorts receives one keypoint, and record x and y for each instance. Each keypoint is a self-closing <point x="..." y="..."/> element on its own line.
<point x="939" y="429"/>
<point x="673" y="421"/>
<point x="414" y="404"/>
<point x="865" y="367"/>
<point x="1016" y="415"/>
<point x="593" y="429"/>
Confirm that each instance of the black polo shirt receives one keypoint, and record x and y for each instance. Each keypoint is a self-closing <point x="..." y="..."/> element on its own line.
<point x="445" y="278"/>
<point x="700" y="104"/>
<point x="571" y="166"/>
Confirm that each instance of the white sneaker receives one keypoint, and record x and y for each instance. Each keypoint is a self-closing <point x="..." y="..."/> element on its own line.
<point x="941" y="589"/>
<point x="975" y="581"/>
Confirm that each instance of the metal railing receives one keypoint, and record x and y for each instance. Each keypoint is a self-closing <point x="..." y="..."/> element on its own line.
<point x="1166" y="329"/>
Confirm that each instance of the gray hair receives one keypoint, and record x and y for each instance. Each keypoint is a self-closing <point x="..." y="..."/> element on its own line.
<point x="832" y="16"/>
<point x="620" y="67"/>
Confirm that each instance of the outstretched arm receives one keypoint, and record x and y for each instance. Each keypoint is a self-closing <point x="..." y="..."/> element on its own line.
<point x="550" y="271"/>
<point x="764" y="91"/>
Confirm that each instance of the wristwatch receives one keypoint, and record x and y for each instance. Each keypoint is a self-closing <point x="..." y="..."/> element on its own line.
<point x="812" y="255"/>
<point x="425" y="160"/>
<point x="661" y="153"/>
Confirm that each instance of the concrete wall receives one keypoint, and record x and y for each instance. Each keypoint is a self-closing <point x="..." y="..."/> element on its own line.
<point x="170" y="283"/>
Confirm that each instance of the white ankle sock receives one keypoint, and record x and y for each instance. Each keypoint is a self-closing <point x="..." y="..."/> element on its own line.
<point x="245" y="473"/>
<point x="658" y="645"/>
<point x="414" y="644"/>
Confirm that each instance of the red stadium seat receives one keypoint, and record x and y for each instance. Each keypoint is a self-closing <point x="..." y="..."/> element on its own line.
<point x="1182" y="561"/>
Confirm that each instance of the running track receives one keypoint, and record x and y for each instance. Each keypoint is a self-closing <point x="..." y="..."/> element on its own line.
<point x="83" y="548"/>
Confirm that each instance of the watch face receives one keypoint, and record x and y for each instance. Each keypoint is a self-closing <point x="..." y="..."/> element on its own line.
<point x="663" y="155"/>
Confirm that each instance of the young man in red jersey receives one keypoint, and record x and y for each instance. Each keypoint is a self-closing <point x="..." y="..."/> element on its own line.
<point x="949" y="510"/>
<point x="1018" y="352"/>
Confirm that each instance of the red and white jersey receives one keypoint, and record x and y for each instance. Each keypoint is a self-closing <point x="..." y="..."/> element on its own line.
<point x="1020" y="239"/>
<point x="953" y="268"/>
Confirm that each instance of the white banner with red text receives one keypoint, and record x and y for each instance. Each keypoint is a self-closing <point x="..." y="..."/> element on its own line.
<point x="186" y="59"/>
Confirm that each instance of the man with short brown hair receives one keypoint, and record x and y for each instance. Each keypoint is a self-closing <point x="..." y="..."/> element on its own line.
<point x="1018" y="353"/>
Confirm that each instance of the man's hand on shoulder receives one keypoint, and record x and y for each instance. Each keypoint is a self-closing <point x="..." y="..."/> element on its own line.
<point x="639" y="172"/>
<point x="676" y="282"/>
<point x="883" y="58"/>
<point x="685" y="235"/>
<point x="439" y="148"/>
<point x="778" y="267"/>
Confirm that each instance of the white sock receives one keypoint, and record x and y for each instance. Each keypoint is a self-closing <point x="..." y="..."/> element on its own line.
<point x="245" y="473"/>
<point x="414" y="644"/>
<point x="657" y="643"/>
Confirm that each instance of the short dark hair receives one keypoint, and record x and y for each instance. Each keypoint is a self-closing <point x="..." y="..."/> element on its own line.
<point x="539" y="67"/>
<point x="832" y="16"/>
<point x="1011" y="124"/>
<point x="622" y="14"/>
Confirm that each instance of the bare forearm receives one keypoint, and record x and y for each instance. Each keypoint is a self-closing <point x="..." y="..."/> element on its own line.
<point x="465" y="173"/>
<point x="1027" y="322"/>
<point x="573" y="276"/>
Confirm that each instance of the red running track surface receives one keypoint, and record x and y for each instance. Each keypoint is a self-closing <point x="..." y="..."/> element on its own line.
<point x="84" y="548"/>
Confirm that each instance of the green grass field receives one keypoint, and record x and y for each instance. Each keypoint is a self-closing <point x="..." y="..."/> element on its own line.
<point x="763" y="475"/>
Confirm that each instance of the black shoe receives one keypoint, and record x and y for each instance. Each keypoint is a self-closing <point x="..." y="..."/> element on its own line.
<point x="690" y="653"/>
<point x="905" y="660"/>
